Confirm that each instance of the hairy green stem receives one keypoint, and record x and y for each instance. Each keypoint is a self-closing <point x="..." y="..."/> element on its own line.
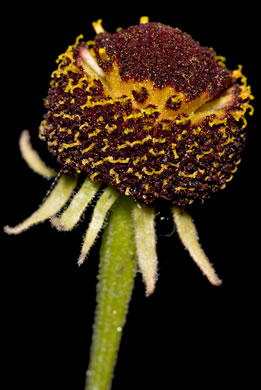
<point x="116" y="279"/>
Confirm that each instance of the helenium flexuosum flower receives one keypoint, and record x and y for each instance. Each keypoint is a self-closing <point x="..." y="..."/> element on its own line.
<point x="154" y="115"/>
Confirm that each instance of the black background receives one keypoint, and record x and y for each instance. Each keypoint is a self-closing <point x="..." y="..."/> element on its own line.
<point x="188" y="332"/>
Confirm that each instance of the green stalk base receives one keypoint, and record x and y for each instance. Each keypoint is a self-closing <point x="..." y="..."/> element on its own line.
<point x="116" y="280"/>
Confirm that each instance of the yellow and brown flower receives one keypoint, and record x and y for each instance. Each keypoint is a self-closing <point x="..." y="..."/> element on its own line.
<point x="148" y="110"/>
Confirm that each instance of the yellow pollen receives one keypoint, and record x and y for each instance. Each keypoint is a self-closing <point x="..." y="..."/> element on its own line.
<point x="131" y="144"/>
<point x="116" y="175"/>
<point x="119" y="160"/>
<point x="103" y="54"/>
<point x="156" y="153"/>
<point x="177" y="99"/>
<point x="217" y="121"/>
<point x="67" y="146"/>
<point x="98" y="26"/>
<point x="144" y="20"/>
<point x="229" y="179"/>
<point x="174" y="150"/>
<point x="107" y="144"/>
<point x="94" y="175"/>
<point x="139" y="175"/>
<point x="127" y="131"/>
<point x="89" y="148"/>
<point x="234" y="170"/>
<point x="193" y="175"/>
<point x="96" y="132"/>
<point x="153" y="171"/>
<point x="110" y="128"/>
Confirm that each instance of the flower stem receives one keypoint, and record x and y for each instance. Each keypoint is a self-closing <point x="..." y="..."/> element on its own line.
<point x="116" y="280"/>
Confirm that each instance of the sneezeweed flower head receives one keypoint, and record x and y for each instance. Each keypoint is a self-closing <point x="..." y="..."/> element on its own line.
<point x="152" y="114"/>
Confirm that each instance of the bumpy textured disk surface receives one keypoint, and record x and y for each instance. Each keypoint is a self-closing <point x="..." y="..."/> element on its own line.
<point x="148" y="110"/>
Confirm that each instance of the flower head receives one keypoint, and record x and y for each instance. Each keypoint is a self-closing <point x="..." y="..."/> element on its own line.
<point x="153" y="114"/>
<point x="149" y="111"/>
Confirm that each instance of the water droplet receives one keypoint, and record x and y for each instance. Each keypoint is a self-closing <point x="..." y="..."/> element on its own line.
<point x="114" y="312"/>
<point x="119" y="329"/>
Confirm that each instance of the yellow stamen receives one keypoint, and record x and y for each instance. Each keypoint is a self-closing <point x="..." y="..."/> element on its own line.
<point x="144" y="20"/>
<point x="103" y="54"/>
<point x="98" y="26"/>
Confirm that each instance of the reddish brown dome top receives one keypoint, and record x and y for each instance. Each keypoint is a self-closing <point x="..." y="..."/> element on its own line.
<point x="166" y="56"/>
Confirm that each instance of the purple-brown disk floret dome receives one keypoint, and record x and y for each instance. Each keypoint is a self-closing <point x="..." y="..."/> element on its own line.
<point x="149" y="111"/>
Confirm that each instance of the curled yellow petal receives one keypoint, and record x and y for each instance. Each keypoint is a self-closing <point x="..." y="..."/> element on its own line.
<point x="145" y="237"/>
<point x="189" y="237"/>
<point x="103" y="205"/>
<point x="32" y="158"/>
<point x="52" y="204"/>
